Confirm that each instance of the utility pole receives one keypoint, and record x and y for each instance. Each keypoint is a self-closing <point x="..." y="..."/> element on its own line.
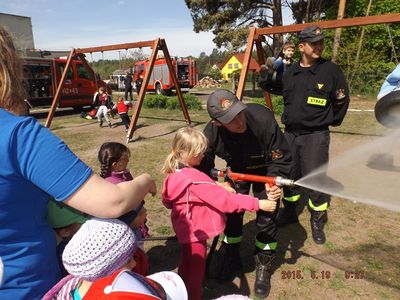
<point x="338" y="31"/>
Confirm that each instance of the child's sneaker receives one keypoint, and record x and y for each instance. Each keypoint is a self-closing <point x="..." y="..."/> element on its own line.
<point x="100" y="123"/>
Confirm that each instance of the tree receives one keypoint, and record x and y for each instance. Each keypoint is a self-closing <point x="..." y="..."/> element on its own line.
<point x="375" y="58"/>
<point x="229" y="20"/>
<point x="304" y="11"/>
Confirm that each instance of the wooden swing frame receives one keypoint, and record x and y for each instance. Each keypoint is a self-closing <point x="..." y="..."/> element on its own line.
<point x="256" y="36"/>
<point x="155" y="45"/>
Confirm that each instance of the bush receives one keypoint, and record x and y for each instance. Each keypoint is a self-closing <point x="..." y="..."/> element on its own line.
<point x="277" y="103"/>
<point x="171" y="103"/>
<point x="155" y="101"/>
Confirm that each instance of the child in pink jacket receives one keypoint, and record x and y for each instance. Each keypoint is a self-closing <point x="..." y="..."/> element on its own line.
<point x="198" y="205"/>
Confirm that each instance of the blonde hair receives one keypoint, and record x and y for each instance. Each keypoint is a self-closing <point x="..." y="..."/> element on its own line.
<point x="188" y="142"/>
<point x="12" y="93"/>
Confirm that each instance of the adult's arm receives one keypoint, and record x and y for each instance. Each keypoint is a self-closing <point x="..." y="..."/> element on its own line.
<point x="103" y="199"/>
<point x="277" y="152"/>
<point x="341" y="95"/>
<point x="208" y="162"/>
<point x="40" y="158"/>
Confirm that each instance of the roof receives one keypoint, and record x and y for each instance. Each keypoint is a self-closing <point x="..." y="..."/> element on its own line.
<point x="254" y="66"/>
<point x="120" y="71"/>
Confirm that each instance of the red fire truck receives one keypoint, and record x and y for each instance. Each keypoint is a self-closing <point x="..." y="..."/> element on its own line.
<point x="161" y="80"/>
<point x="42" y="76"/>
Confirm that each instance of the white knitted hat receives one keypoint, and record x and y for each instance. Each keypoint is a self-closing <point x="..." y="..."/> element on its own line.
<point x="99" y="248"/>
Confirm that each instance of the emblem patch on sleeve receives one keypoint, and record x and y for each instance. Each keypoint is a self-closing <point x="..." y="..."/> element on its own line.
<point x="340" y="94"/>
<point x="276" y="154"/>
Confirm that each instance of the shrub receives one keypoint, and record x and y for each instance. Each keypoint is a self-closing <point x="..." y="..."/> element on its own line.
<point x="277" y="103"/>
<point x="155" y="101"/>
<point x="171" y="103"/>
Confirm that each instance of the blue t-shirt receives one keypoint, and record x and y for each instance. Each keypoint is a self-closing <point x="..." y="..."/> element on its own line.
<point x="34" y="164"/>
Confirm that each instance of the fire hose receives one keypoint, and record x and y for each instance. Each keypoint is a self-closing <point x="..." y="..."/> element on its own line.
<point x="228" y="175"/>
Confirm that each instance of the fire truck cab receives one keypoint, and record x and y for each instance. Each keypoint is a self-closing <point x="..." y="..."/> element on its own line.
<point x="42" y="76"/>
<point x="160" y="78"/>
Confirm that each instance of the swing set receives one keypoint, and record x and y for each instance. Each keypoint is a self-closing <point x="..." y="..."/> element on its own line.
<point x="155" y="45"/>
<point x="256" y="36"/>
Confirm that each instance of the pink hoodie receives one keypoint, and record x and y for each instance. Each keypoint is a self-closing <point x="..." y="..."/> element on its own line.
<point x="199" y="205"/>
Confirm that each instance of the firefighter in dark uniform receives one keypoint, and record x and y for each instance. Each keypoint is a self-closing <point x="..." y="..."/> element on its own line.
<point x="248" y="138"/>
<point x="315" y="96"/>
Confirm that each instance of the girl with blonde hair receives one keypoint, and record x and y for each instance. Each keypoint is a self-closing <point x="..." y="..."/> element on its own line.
<point x="198" y="205"/>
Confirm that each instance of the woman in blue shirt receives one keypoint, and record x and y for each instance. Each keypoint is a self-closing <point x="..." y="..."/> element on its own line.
<point x="35" y="164"/>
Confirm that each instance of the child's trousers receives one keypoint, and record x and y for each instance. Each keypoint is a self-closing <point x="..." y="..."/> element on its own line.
<point x="192" y="267"/>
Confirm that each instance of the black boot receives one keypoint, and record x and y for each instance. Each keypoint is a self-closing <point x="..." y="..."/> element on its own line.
<point x="288" y="215"/>
<point x="262" y="285"/>
<point x="228" y="262"/>
<point x="318" y="220"/>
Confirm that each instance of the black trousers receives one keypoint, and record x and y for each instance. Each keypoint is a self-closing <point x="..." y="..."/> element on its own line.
<point x="125" y="120"/>
<point x="128" y="91"/>
<point x="309" y="152"/>
<point x="265" y="221"/>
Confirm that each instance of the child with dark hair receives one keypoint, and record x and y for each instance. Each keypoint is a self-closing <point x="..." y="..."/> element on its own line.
<point x="104" y="102"/>
<point x="114" y="159"/>
<point x="65" y="222"/>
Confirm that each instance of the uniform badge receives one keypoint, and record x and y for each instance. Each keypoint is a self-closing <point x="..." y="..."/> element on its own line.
<point x="320" y="85"/>
<point x="276" y="154"/>
<point x="225" y="104"/>
<point x="340" y="94"/>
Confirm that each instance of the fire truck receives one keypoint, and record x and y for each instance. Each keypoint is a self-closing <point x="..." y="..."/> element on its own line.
<point x="42" y="76"/>
<point x="161" y="80"/>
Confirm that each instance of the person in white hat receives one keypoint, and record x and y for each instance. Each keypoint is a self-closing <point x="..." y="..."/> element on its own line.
<point x="99" y="258"/>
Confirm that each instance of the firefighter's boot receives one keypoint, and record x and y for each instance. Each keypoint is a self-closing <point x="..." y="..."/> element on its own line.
<point x="288" y="215"/>
<point x="229" y="262"/>
<point x="318" y="220"/>
<point x="262" y="285"/>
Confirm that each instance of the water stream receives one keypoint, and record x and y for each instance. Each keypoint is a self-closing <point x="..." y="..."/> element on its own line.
<point x="369" y="173"/>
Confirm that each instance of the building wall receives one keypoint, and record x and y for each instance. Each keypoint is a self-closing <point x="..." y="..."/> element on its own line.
<point x="232" y="65"/>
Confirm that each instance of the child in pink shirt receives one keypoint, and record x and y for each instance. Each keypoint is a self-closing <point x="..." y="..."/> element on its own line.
<point x="198" y="205"/>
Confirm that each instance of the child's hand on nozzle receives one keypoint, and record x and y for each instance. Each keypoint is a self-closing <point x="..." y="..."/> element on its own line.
<point x="274" y="193"/>
<point x="267" y="205"/>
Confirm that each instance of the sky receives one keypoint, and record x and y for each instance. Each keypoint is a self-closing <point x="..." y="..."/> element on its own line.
<point x="62" y="25"/>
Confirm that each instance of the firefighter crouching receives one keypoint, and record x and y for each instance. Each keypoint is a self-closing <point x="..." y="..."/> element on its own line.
<point x="248" y="138"/>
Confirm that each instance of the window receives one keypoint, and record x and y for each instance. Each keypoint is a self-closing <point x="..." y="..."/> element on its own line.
<point x="229" y="66"/>
<point x="236" y="66"/>
<point x="70" y="73"/>
<point x="84" y="72"/>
